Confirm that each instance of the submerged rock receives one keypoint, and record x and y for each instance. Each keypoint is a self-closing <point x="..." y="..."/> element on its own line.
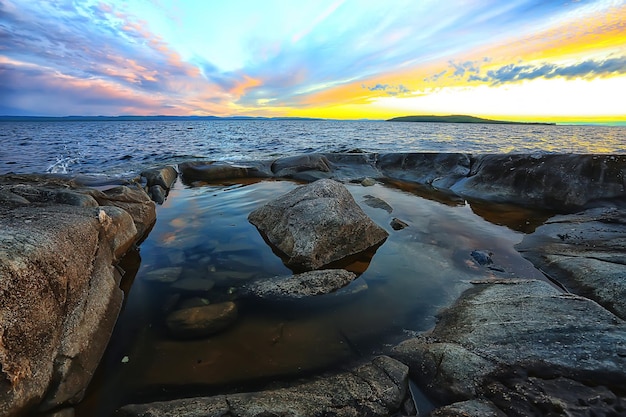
<point x="164" y="275"/>
<point x="482" y="257"/>
<point x="306" y="284"/>
<point x="317" y="224"/>
<point x="376" y="202"/>
<point x="497" y="334"/>
<point x="397" y="224"/>
<point x="197" y="322"/>
<point x="375" y="389"/>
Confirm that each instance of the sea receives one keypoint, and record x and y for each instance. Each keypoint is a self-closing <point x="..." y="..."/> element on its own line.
<point x="124" y="148"/>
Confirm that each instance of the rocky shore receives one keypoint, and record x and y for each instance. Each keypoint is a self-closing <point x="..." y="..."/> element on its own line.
<point x="509" y="346"/>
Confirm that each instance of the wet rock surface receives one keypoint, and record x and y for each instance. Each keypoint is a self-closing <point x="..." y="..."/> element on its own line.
<point x="317" y="224"/>
<point x="60" y="295"/>
<point x="565" y="182"/>
<point x="519" y="344"/>
<point x="507" y="347"/>
<point x="584" y="252"/>
<point x="377" y="388"/>
<point x="306" y="284"/>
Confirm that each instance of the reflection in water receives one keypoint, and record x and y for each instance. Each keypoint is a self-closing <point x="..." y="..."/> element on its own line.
<point x="203" y="238"/>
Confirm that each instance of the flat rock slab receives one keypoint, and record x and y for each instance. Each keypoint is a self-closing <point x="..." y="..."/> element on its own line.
<point x="317" y="224"/>
<point x="586" y="253"/>
<point x="306" y="284"/>
<point x="497" y="334"/>
<point x="375" y="389"/>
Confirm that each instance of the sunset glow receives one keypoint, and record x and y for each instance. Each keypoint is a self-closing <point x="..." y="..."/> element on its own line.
<point x="526" y="60"/>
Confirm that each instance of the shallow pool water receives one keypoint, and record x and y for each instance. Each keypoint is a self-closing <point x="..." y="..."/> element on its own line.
<point x="203" y="231"/>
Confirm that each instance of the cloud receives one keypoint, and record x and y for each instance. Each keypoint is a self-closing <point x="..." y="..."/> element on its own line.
<point x="587" y="70"/>
<point x="392" y="90"/>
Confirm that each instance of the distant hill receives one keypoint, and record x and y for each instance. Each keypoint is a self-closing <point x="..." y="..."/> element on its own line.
<point x="458" y="119"/>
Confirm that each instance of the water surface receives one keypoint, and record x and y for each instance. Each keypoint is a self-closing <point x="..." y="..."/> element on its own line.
<point x="204" y="230"/>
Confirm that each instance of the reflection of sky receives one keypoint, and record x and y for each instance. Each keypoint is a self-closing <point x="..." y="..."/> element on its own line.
<point x="333" y="58"/>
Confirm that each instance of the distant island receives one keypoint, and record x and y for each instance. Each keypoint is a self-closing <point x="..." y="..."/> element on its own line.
<point x="458" y="119"/>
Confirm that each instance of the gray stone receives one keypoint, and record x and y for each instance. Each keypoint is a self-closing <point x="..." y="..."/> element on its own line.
<point x="368" y="182"/>
<point x="482" y="257"/>
<point x="165" y="177"/>
<point x="219" y="170"/>
<point x="157" y="194"/>
<point x="437" y="170"/>
<point x="198" y="322"/>
<point x="295" y="166"/>
<point x="306" y="284"/>
<point x="317" y="224"/>
<point x="585" y="253"/>
<point x="555" y="181"/>
<point x="502" y="331"/>
<point x="397" y="224"/>
<point x="375" y="389"/>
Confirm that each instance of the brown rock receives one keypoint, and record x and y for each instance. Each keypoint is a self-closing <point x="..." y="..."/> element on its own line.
<point x="317" y="224"/>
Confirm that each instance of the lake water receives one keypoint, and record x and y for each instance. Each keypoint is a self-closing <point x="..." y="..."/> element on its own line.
<point x="202" y="229"/>
<point x="125" y="148"/>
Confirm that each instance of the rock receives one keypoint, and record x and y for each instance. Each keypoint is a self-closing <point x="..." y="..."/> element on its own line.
<point x="198" y="322"/>
<point x="133" y="200"/>
<point x="317" y="224"/>
<point x="218" y="170"/>
<point x="157" y="194"/>
<point x="377" y="388"/>
<point x="503" y="335"/>
<point x="368" y="182"/>
<point x="376" y="202"/>
<point x="59" y="294"/>
<point x="164" y="177"/>
<point x="584" y="252"/>
<point x="471" y="408"/>
<point x="164" y="275"/>
<point x="482" y="257"/>
<point x="193" y="285"/>
<point x="437" y="170"/>
<point x="306" y="284"/>
<point x="306" y="167"/>
<point x="550" y="181"/>
<point x="194" y="302"/>
<point x="397" y="224"/>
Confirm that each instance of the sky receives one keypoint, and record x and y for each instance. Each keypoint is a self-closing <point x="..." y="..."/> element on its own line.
<point x="525" y="60"/>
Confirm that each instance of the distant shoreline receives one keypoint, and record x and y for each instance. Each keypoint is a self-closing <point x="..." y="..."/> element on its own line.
<point x="460" y="119"/>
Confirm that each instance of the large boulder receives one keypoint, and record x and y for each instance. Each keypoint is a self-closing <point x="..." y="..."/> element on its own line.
<point x="375" y="389"/>
<point x="585" y="253"/>
<point x="507" y="341"/>
<point x="550" y="181"/>
<point x="317" y="224"/>
<point x="59" y="289"/>
<point x="302" y="285"/>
